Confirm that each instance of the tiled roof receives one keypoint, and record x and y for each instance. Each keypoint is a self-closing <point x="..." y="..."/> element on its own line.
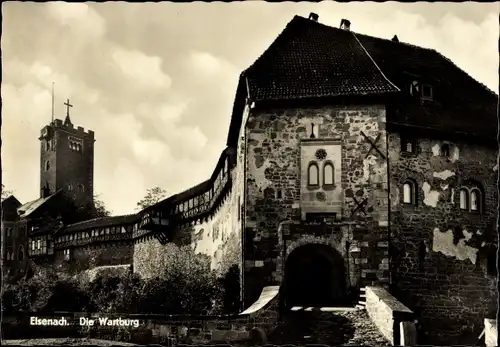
<point x="309" y="59"/>
<point x="460" y="103"/>
<point x="30" y="207"/>
<point x="101" y="222"/>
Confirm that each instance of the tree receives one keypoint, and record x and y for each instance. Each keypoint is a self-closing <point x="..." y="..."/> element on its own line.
<point x="100" y="208"/>
<point x="153" y="196"/>
<point x="6" y="192"/>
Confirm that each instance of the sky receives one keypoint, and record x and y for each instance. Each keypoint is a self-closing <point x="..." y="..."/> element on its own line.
<point x="156" y="81"/>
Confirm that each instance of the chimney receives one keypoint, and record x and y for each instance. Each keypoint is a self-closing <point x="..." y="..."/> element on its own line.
<point x="313" y="16"/>
<point x="395" y="38"/>
<point x="345" y="24"/>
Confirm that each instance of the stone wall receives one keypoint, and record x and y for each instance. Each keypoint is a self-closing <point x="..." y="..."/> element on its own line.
<point x="16" y="244"/>
<point x="387" y="313"/>
<point x="439" y="265"/>
<point x="186" y="329"/>
<point x="275" y="140"/>
<point x="92" y="256"/>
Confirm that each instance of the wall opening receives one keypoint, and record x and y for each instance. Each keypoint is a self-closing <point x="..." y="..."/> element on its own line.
<point x="314" y="277"/>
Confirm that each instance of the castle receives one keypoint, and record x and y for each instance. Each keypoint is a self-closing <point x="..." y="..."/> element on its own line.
<point x="351" y="160"/>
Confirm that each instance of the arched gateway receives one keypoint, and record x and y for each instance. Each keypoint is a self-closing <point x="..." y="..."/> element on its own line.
<point x="314" y="277"/>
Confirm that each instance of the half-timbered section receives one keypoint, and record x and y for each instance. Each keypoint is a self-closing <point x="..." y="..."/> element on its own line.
<point x="206" y="217"/>
<point x="93" y="243"/>
<point x="194" y="205"/>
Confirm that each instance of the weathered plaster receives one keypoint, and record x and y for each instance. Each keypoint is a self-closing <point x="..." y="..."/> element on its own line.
<point x="443" y="243"/>
<point x="276" y="159"/>
<point x="444" y="175"/>
<point x="431" y="197"/>
<point x="454" y="151"/>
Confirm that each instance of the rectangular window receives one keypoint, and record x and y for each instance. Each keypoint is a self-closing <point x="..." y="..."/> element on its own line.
<point x="427" y="92"/>
<point x="38" y="244"/>
<point x="66" y="254"/>
<point x="408" y="145"/>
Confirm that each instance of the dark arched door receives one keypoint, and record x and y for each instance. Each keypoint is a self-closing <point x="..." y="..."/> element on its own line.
<point x="315" y="277"/>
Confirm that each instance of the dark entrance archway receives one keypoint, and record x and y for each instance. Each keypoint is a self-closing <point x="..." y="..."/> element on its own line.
<point x="314" y="277"/>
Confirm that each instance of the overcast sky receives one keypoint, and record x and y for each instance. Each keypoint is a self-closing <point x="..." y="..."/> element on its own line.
<point x="156" y="81"/>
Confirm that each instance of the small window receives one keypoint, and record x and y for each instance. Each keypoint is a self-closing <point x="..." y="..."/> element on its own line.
<point x="279" y="194"/>
<point x="38" y="244"/>
<point x="464" y="199"/>
<point x="47" y="165"/>
<point x="408" y="145"/>
<point x="21" y="253"/>
<point x="475" y="200"/>
<point x="313" y="175"/>
<point x="492" y="263"/>
<point x="81" y="188"/>
<point x="328" y="175"/>
<point x="427" y="92"/>
<point x="47" y="145"/>
<point x="66" y="254"/>
<point x="8" y="255"/>
<point x="445" y="150"/>
<point x="409" y="193"/>
<point x="70" y="187"/>
<point x="314" y="131"/>
<point x="9" y="232"/>
<point x="414" y="88"/>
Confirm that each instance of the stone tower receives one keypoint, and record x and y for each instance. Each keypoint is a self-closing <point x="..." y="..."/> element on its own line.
<point x="67" y="160"/>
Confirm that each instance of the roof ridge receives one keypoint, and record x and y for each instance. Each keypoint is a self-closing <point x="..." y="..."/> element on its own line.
<point x="273" y="43"/>
<point x="407" y="44"/>
<point x="100" y="218"/>
<point x="374" y="63"/>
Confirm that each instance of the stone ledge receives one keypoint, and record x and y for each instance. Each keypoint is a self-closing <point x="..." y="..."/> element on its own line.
<point x="490" y="332"/>
<point x="387" y="312"/>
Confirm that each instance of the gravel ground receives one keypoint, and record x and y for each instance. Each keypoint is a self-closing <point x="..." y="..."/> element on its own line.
<point x="336" y="328"/>
<point x="64" y="342"/>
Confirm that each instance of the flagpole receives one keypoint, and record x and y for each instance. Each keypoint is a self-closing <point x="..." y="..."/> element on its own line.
<point x="52" y="102"/>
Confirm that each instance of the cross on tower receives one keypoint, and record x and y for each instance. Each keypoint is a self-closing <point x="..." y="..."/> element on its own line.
<point x="68" y="105"/>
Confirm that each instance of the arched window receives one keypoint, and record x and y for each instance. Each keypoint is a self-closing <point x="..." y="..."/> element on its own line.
<point x="328" y="174"/>
<point x="21" y="253"/>
<point x="47" y="165"/>
<point x="81" y="188"/>
<point x="8" y="255"/>
<point x="464" y="199"/>
<point x="475" y="200"/>
<point x="409" y="147"/>
<point x="409" y="193"/>
<point x="48" y="145"/>
<point x="445" y="150"/>
<point x="313" y="174"/>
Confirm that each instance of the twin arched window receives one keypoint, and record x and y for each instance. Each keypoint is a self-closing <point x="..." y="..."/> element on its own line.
<point x="313" y="174"/>
<point x="410" y="192"/>
<point x="470" y="199"/>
